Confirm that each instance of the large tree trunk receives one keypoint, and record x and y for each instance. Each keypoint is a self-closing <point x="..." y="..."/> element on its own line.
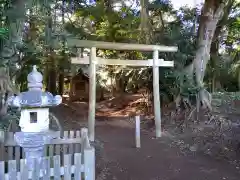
<point x="52" y="74"/>
<point x="215" y="42"/>
<point x="211" y="13"/>
<point x="120" y="86"/>
<point x="52" y="79"/>
<point x="213" y="62"/>
<point x="60" y="83"/>
<point x="239" y="81"/>
<point x="63" y="58"/>
<point x="6" y="90"/>
<point x="145" y="23"/>
<point x="52" y="84"/>
<point x="9" y="56"/>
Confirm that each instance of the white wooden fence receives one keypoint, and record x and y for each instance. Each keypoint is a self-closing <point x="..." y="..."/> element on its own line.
<point x="51" y="167"/>
<point x="70" y="157"/>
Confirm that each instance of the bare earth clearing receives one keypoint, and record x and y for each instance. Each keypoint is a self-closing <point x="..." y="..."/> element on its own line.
<point x="200" y="153"/>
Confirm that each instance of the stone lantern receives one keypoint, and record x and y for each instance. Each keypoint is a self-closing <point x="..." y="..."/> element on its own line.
<point x="34" y="120"/>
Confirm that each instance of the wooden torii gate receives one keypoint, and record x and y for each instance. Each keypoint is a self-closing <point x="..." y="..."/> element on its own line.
<point x="93" y="60"/>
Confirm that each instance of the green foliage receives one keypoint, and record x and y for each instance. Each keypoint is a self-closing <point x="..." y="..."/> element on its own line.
<point x="3" y="33"/>
<point x="12" y="115"/>
<point x="123" y="26"/>
<point x="99" y="21"/>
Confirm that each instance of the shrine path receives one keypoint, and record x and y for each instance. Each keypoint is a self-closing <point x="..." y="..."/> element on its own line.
<point x="118" y="159"/>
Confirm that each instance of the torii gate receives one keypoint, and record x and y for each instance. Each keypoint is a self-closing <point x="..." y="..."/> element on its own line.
<point x="93" y="60"/>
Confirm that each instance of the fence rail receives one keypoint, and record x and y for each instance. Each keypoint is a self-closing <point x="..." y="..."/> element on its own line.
<point x="70" y="143"/>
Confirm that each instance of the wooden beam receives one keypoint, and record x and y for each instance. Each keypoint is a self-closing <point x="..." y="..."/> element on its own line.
<point x="92" y="94"/>
<point x="74" y="42"/>
<point x="149" y="62"/>
<point x="156" y="95"/>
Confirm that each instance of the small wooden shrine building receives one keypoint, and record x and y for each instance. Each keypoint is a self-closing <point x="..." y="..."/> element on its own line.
<point x="79" y="86"/>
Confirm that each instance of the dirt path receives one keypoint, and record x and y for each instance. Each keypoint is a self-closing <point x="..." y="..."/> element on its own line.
<point x="156" y="160"/>
<point x="117" y="159"/>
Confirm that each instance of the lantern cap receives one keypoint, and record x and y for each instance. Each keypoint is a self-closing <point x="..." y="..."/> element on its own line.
<point x="34" y="79"/>
<point x="34" y="97"/>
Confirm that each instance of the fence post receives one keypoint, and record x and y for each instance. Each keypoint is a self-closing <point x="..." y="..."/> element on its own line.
<point x="137" y="131"/>
<point x="84" y="141"/>
<point x="2" y="149"/>
<point x="84" y="138"/>
<point x="2" y="136"/>
<point x="89" y="163"/>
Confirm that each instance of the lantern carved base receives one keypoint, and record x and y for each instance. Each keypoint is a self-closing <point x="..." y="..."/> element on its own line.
<point x="33" y="145"/>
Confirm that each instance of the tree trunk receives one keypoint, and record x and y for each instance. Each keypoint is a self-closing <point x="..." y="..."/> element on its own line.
<point x="145" y="23"/>
<point x="9" y="56"/>
<point x="239" y="81"/>
<point x="6" y="90"/>
<point x="211" y="13"/>
<point x="52" y="87"/>
<point x="63" y="58"/>
<point x="213" y="83"/>
<point x="52" y="79"/>
<point x="119" y="85"/>
<point x="213" y="61"/>
<point x="215" y="42"/>
<point x="60" y="83"/>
